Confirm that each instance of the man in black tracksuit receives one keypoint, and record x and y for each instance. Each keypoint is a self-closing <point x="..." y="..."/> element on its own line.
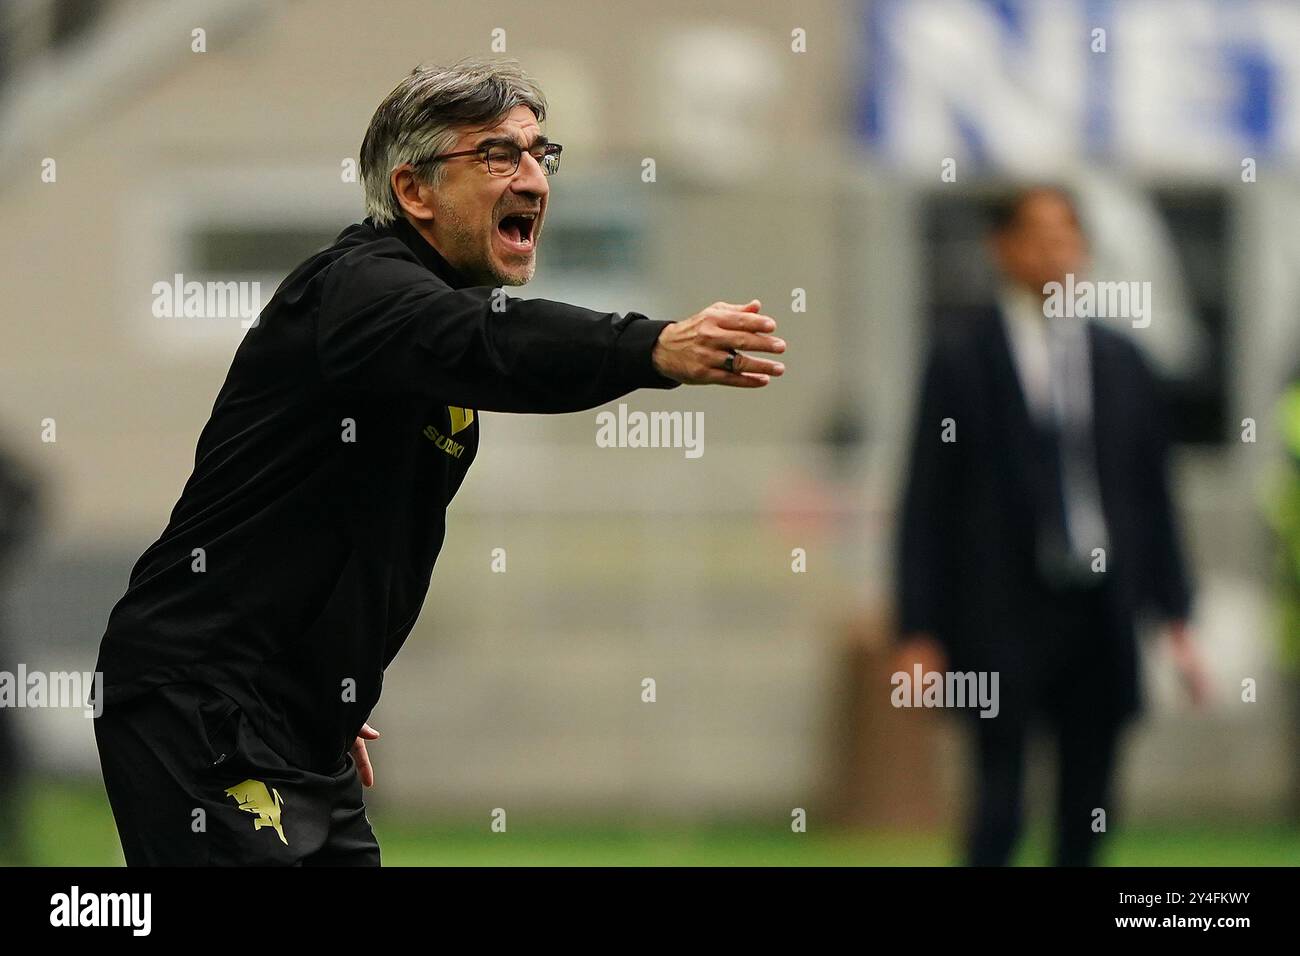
<point x="249" y="649"/>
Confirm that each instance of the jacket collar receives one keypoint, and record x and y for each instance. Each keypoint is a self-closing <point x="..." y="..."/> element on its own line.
<point x="424" y="251"/>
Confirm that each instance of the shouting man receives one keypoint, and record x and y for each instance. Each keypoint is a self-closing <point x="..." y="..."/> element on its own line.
<point x="249" y="649"/>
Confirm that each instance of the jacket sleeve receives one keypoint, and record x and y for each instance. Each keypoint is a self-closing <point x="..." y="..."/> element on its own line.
<point x="925" y="548"/>
<point x="388" y="324"/>
<point x="1169" y="587"/>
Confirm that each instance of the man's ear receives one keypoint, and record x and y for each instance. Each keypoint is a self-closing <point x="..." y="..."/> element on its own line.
<point x="412" y="195"/>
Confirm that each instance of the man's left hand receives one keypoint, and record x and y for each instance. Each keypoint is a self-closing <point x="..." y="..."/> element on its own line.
<point x="360" y="756"/>
<point x="1187" y="659"/>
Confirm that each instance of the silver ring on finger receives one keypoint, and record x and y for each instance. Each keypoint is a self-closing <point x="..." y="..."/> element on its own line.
<point x="729" y="363"/>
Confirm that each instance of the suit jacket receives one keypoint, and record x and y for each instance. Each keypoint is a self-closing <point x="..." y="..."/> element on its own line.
<point x="967" y="569"/>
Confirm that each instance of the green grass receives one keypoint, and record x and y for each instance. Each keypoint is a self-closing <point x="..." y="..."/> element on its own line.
<point x="69" y="824"/>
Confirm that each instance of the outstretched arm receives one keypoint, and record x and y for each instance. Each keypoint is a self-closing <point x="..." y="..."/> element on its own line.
<point x="388" y="324"/>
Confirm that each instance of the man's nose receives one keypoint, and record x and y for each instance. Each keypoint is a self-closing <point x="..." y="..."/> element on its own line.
<point x="529" y="178"/>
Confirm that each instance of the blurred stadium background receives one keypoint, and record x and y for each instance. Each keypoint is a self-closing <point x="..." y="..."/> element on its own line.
<point x="777" y="168"/>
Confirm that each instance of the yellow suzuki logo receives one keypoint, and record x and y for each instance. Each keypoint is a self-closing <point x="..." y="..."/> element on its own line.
<point x="253" y="797"/>
<point x="461" y="418"/>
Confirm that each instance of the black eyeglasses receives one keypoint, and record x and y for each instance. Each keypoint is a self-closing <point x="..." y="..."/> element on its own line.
<point x="503" y="159"/>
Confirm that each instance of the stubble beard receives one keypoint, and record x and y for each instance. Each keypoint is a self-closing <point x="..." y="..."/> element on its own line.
<point x="481" y="266"/>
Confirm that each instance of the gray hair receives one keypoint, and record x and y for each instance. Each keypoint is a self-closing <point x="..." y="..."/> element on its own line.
<point x="425" y="114"/>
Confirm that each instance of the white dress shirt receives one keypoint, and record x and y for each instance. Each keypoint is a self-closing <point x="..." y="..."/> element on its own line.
<point x="1052" y="360"/>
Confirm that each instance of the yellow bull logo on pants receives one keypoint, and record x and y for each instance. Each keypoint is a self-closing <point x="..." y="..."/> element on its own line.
<point x="254" y="797"/>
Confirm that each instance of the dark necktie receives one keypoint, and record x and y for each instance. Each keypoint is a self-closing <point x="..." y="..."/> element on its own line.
<point x="1074" y="523"/>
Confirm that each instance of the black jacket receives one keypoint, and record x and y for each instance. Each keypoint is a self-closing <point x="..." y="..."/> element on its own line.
<point x="967" y="569"/>
<point x="344" y="428"/>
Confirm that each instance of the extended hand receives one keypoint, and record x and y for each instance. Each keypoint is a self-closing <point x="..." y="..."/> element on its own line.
<point x="694" y="351"/>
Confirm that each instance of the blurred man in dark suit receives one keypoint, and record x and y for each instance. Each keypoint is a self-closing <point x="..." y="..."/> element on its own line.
<point x="1036" y="524"/>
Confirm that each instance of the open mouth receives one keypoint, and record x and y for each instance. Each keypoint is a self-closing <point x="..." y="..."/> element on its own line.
<point x="516" y="230"/>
